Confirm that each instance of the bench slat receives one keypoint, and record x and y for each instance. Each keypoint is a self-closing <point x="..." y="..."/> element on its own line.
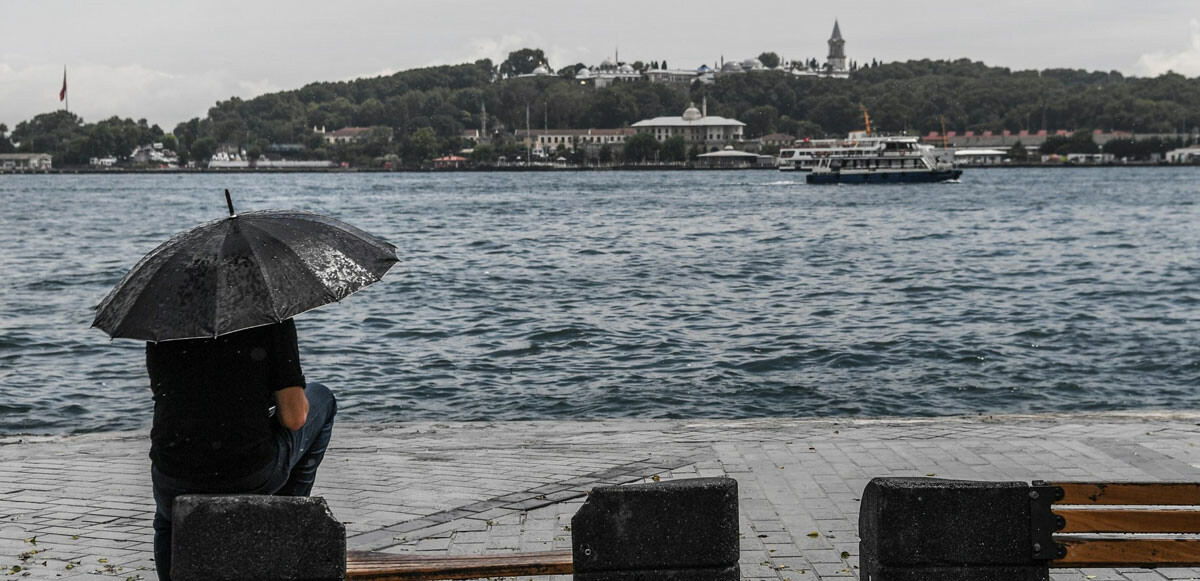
<point x="1088" y="552"/>
<point x="389" y="567"/>
<point x="1165" y="493"/>
<point x="1130" y="521"/>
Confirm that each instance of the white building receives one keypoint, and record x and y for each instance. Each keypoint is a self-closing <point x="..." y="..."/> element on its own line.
<point x="609" y="72"/>
<point x="696" y="127"/>
<point x="544" y="142"/>
<point x="979" y="156"/>
<point x="1184" y="155"/>
<point x="25" y="161"/>
<point x="679" y="76"/>
<point x="541" y="71"/>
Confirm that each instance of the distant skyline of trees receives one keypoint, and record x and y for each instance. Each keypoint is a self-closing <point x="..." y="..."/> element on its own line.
<point x="421" y="113"/>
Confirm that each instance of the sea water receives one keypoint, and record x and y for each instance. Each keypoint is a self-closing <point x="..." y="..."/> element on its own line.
<point x="717" y="294"/>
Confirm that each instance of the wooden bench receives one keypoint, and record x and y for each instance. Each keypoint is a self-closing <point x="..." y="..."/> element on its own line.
<point x="941" y="530"/>
<point x="1093" y="512"/>
<point x="391" y="567"/>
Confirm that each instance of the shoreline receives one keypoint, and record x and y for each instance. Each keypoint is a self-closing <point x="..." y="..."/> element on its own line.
<point x="1118" y="416"/>
<point x="493" y="169"/>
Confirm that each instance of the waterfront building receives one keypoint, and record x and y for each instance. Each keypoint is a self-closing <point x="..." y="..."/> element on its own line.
<point x="25" y="161"/>
<point x="153" y="154"/>
<point x="979" y="157"/>
<point x="731" y="158"/>
<point x="696" y="127"/>
<point x="449" y="162"/>
<point x="543" y="142"/>
<point x="1090" y="158"/>
<point x="1189" y="154"/>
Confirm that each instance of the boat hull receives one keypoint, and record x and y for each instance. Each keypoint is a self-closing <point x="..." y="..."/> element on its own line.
<point x="908" y="177"/>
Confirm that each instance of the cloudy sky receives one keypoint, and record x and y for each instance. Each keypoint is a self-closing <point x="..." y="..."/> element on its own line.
<point x="169" y="61"/>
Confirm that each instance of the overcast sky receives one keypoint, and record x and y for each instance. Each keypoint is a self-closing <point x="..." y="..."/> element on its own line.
<point x="170" y="61"/>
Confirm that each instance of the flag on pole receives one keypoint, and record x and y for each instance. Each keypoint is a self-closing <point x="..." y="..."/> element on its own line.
<point x="63" y="93"/>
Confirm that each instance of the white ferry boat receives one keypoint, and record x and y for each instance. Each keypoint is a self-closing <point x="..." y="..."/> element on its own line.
<point x="885" y="159"/>
<point x="804" y="155"/>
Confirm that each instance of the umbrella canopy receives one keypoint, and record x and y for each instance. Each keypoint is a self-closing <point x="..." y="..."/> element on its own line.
<point x="240" y="272"/>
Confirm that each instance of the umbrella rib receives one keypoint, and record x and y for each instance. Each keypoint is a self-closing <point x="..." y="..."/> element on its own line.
<point x="263" y="271"/>
<point x="283" y="247"/>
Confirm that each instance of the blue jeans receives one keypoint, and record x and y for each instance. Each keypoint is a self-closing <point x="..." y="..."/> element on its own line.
<point x="297" y="457"/>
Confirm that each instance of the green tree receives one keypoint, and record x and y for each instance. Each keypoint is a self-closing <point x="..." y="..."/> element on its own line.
<point x="1018" y="151"/>
<point x="761" y="120"/>
<point x="169" y="142"/>
<point x="6" y="146"/>
<point x="673" y="149"/>
<point x="641" y="147"/>
<point x="606" y="153"/>
<point x="522" y="62"/>
<point x="423" y="144"/>
<point x="203" y="149"/>
<point x="769" y="59"/>
<point x="483" y="155"/>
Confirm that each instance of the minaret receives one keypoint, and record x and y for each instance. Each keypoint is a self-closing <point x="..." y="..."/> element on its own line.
<point x="837" y="50"/>
<point x="482" y="121"/>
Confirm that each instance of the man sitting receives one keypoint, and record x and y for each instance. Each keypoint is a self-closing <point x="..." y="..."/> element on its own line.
<point x="232" y="415"/>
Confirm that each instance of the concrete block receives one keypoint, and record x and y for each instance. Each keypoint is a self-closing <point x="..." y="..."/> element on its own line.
<point x="680" y="529"/>
<point x="932" y="529"/>
<point x="265" y="538"/>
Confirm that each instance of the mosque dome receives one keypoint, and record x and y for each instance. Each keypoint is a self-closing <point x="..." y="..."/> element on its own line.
<point x="625" y="68"/>
<point x="752" y="64"/>
<point x="584" y="73"/>
<point x="541" y="70"/>
<point x="691" y="113"/>
<point x="731" y="67"/>
<point x="608" y="64"/>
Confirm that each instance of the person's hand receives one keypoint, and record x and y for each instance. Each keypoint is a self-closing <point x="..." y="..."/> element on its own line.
<point x="292" y="407"/>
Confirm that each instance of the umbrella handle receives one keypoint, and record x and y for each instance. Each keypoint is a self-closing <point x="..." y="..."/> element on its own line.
<point x="229" y="202"/>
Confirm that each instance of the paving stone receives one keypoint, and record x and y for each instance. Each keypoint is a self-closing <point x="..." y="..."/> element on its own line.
<point x="443" y="481"/>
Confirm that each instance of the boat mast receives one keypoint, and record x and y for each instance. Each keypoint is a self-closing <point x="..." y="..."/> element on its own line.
<point x="866" y="119"/>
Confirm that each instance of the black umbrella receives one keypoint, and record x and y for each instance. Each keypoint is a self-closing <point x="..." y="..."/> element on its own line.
<point x="242" y="271"/>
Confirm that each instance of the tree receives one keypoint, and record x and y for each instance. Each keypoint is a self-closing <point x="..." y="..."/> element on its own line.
<point x="606" y="153"/>
<point x="6" y="146"/>
<point x="673" y="149"/>
<point x="522" y="62"/>
<point x="641" y="147"/>
<point x="483" y="154"/>
<point x="423" y="144"/>
<point x="1018" y="151"/>
<point x="203" y="149"/>
<point x="761" y="120"/>
<point x="769" y="59"/>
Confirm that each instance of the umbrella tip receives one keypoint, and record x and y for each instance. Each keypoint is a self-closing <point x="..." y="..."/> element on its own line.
<point x="229" y="202"/>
